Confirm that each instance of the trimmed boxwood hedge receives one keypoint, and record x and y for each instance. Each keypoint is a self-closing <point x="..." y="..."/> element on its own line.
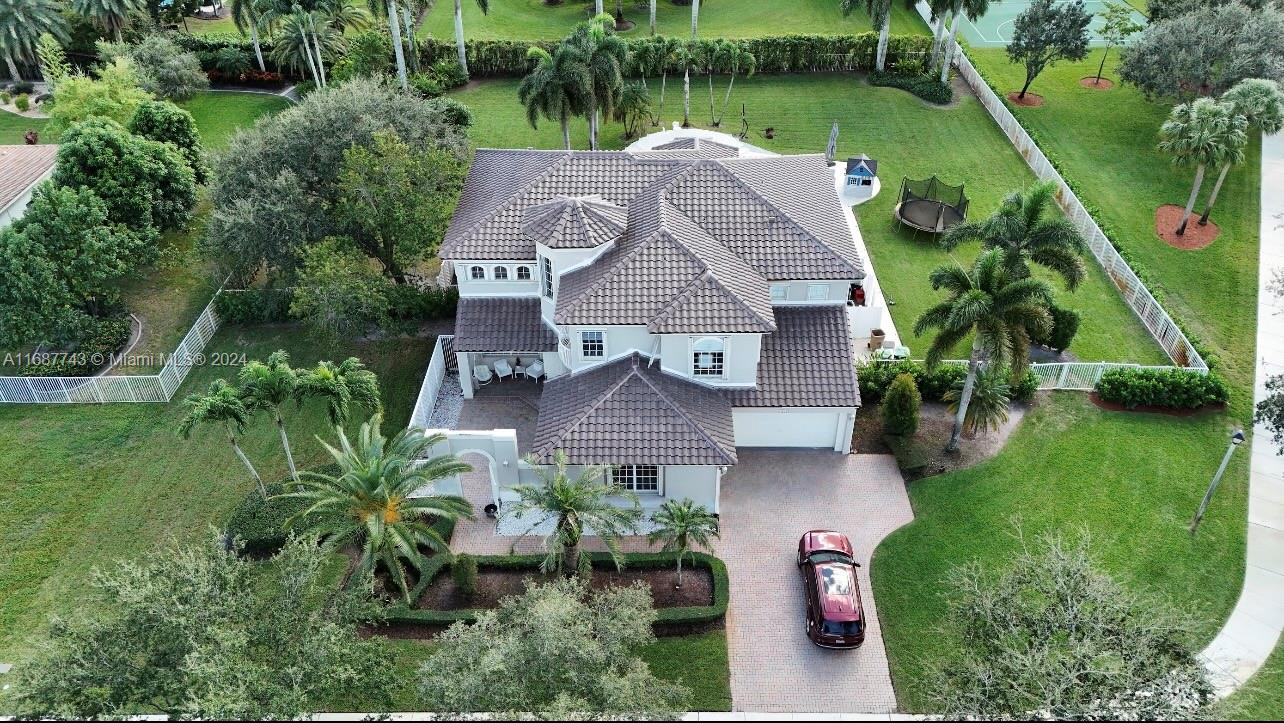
<point x="260" y="523"/>
<point x="1170" y="388"/>
<point x="403" y="614"/>
<point x="928" y="88"/>
<point x="875" y="377"/>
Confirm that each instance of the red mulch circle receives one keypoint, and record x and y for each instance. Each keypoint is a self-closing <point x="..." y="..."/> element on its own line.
<point x="1091" y="82"/>
<point x="1146" y="409"/>
<point x="1168" y="217"/>
<point x="1031" y="100"/>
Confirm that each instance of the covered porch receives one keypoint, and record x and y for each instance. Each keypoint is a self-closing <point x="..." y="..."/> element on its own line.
<point x="503" y="340"/>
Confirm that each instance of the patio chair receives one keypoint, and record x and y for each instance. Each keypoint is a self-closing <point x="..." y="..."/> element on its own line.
<point x="483" y="375"/>
<point x="503" y="369"/>
<point x="535" y="370"/>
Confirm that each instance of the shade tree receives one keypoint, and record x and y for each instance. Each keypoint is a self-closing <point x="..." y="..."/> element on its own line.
<point x="164" y="68"/>
<point x="113" y="93"/>
<point x="1117" y="26"/>
<point x="1045" y="33"/>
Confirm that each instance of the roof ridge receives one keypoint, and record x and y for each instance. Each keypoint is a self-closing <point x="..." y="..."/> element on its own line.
<point x="682" y="413"/>
<point x="563" y="158"/>
<point x="736" y="297"/>
<point x="597" y="402"/>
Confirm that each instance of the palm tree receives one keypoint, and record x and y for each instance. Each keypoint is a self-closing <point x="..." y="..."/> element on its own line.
<point x="1261" y="104"/>
<point x="652" y="17"/>
<point x="940" y="12"/>
<point x="459" y="30"/>
<point x="682" y="525"/>
<point x="988" y="409"/>
<point x="343" y="15"/>
<point x="22" y="22"/>
<point x="573" y="505"/>
<point x="391" y="13"/>
<point x="302" y="43"/>
<point x="633" y="107"/>
<point x="1026" y="232"/>
<point x="734" y="55"/>
<point x="667" y="52"/>
<point x="341" y="386"/>
<point x="880" y="16"/>
<point x="974" y="9"/>
<point x="695" y="19"/>
<point x="605" y="55"/>
<point x="376" y="499"/>
<point x="557" y="88"/>
<point x="248" y="14"/>
<point x="1000" y="311"/>
<point x="111" y="14"/>
<point x="269" y="385"/>
<point x="222" y="404"/>
<point x="1203" y="133"/>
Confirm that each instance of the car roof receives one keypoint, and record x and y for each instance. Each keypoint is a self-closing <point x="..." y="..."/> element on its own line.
<point x="828" y="540"/>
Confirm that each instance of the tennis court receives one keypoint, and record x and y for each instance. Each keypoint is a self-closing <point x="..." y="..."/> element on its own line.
<point x="994" y="29"/>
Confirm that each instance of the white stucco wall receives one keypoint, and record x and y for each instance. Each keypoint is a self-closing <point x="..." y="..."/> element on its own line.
<point x="14" y="210"/>
<point x="489" y="286"/>
<point x="740" y="360"/>
<point x="796" y="292"/>
<point x="803" y="427"/>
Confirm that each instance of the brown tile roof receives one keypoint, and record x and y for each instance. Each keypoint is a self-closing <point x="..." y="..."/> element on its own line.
<point x="807" y="362"/>
<point x="627" y="412"/>
<point x="502" y="324"/>
<point x="690" y="147"/>
<point x="574" y="222"/>
<point x="21" y="167"/>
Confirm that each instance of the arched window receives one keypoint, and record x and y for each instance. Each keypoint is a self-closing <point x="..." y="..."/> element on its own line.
<point x="707" y="357"/>
<point x="477" y="273"/>
<point x="501" y="273"/>
<point x="523" y="273"/>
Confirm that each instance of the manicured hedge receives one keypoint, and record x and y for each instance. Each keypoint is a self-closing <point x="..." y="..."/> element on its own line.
<point x="928" y="88"/>
<point x="402" y="614"/>
<point x="1171" y="388"/>
<point x="260" y="523"/>
<point x="875" y="377"/>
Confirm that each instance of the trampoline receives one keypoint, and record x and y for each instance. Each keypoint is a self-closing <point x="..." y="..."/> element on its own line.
<point x="930" y="205"/>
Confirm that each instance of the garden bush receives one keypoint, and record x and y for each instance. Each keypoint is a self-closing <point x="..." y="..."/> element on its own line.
<point x="875" y="377"/>
<point x="464" y="573"/>
<point x="5" y="97"/>
<point x="22" y="87"/>
<point x="901" y="405"/>
<point x="253" y="306"/>
<point x="260" y="523"/>
<point x="90" y="351"/>
<point x="928" y="88"/>
<point x="449" y="73"/>
<point x="426" y="85"/>
<point x="408" y="303"/>
<point x="1171" y="388"/>
<point x="1065" y="324"/>
<point x="911" y="454"/>
<point x="22" y="102"/>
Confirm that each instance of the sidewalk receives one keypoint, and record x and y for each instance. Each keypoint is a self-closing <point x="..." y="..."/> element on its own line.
<point x="1253" y="628"/>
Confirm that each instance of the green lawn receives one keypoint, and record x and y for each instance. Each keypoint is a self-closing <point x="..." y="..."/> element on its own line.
<point x="535" y="20"/>
<point x="905" y="135"/>
<point x="1262" y="698"/>
<point x="1105" y="141"/>
<point x="1131" y="481"/>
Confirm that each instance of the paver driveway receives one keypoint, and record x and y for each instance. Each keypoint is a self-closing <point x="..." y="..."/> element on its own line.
<point x="768" y="500"/>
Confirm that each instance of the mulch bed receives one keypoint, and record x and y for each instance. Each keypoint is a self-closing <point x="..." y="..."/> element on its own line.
<point x="493" y="585"/>
<point x="1031" y="100"/>
<point x="1147" y="409"/>
<point x="1091" y="82"/>
<point x="1168" y="217"/>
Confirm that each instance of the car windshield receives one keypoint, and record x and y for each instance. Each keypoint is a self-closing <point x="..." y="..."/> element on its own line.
<point x="829" y="556"/>
<point x="848" y="627"/>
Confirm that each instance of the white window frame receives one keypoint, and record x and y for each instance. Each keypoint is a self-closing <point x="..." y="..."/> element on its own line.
<point x="583" y="341"/>
<point x="625" y="477"/>
<point x="722" y="350"/>
<point x="497" y="271"/>
<point x="546" y="276"/>
<point x="818" y="292"/>
<point x="472" y="272"/>
<point x="520" y="269"/>
<point x="779" y="293"/>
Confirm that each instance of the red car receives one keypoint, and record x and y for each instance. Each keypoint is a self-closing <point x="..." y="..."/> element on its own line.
<point x="835" y="618"/>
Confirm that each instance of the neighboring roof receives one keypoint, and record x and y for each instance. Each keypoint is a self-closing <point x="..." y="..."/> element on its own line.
<point x="574" y="222"/>
<point x="690" y="147"/>
<point x="502" y="324"/>
<point x="21" y="167"/>
<point x="627" y="412"/>
<point x="807" y="362"/>
<point x="862" y="164"/>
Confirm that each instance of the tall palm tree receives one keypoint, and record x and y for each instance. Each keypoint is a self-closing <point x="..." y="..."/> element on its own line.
<point x="573" y="505"/>
<point x="111" y="14"/>
<point x="880" y="16"/>
<point x="735" y="56"/>
<point x="268" y="386"/>
<point x="1026" y="232"/>
<point x="221" y="405"/>
<point x="974" y="9"/>
<point x="390" y="12"/>
<point x="343" y="15"/>
<point x="695" y="19"/>
<point x="557" y="88"/>
<point x="652" y="3"/>
<point x="376" y="500"/>
<point x="668" y="51"/>
<point x="459" y="30"/>
<point x="605" y="55"/>
<point x="341" y="386"/>
<point x="940" y="13"/>
<point x="22" y="22"/>
<point x="1201" y="133"/>
<point x="681" y="526"/>
<point x="1261" y="104"/>
<point x="997" y="308"/>
<point x="247" y="14"/>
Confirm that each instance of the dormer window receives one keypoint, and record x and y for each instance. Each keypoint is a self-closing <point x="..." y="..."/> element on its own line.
<point x="523" y="273"/>
<point x="477" y="273"/>
<point x="501" y="273"/>
<point x="708" y="358"/>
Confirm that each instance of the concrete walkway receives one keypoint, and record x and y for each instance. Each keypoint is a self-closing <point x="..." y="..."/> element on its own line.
<point x="1253" y="628"/>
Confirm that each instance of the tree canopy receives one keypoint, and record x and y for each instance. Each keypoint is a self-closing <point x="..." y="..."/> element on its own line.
<point x="164" y="68"/>
<point x="167" y="123"/>
<point x="1046" y="32"/>
<point x="113" y="94"/>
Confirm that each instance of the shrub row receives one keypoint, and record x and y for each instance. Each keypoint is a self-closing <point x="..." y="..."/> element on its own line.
<point x="926" y="87"/>
<point x="267" y="306"/>
<point x="875" y="377"/>
<point x="101" y="339"/>
<point x="1170" y="388"/>
<point x="402" y="614"/>
<point x="409" y="303"/>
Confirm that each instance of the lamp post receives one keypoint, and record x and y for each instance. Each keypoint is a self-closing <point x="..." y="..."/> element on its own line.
<point x="1237" y="438"/>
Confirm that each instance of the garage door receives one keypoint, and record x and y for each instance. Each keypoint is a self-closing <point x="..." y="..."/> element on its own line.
<point x="785" y="428"/>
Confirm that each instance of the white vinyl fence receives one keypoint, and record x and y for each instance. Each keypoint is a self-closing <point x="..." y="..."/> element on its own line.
<point x="119" y="388"/>
<point x="437" y="366"/>
<point x="1157" y="321"/>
